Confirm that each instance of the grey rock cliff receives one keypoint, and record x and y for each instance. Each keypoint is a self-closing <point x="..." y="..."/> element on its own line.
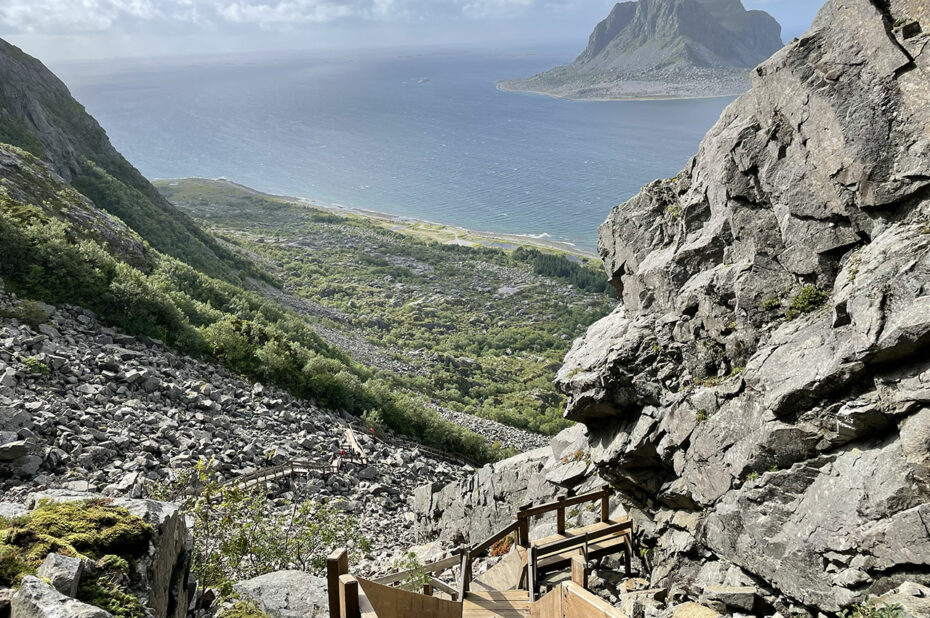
<point x="765" y="378"/>
<point x="665" y="48"/>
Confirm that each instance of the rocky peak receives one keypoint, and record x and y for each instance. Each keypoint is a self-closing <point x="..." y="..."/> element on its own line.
<point x="653" y="33"/>
<point x="765" y="369"/>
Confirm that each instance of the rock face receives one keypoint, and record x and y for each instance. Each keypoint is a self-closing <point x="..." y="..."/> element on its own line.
<point x="665" y="48"/>
<point x="36" y="599"/>
<point x="765" y="378"/>
<point x="39" y="115"/>
<point x="287" y="594"/>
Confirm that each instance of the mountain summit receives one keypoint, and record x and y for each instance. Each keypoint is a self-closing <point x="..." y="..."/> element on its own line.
<point x="665" y="48"/>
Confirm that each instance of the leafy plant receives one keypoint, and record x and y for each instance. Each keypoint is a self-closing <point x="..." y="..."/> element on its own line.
<point x="503" y="547"/>
<point x="417" y="578"/>
<point x="870" y="610"/>
<point x="237" y="536"/>
<point x="808" y="300"/>
<point x="36" y="367"/>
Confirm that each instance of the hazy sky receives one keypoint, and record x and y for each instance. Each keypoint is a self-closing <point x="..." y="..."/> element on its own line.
<point x="84" y="29"/>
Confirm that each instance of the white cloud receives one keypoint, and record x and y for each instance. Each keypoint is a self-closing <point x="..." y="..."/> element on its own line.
<point x="73" y="16"/>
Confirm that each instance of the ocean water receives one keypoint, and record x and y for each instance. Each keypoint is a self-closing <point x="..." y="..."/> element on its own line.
<point x="424" y="135"/>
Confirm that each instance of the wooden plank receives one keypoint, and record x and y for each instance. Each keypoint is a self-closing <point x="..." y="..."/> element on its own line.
<point x="337" y="564"/>
<point x="433" y="567"/>
<point x="350" y="437"/>
<point x="444" y="587"/>
<point x="390" y="602"/>
<point x="506" y="574"/>
<point x="567" y="502"/>
<point x="348" y="597"/>
<point x="550" y="606"/>
<point x="579" y="571"/>
<point x="465" y="573"/>
<point x="579" y="603"/>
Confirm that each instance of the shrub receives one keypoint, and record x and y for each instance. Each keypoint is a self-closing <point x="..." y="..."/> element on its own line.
<point x="36" y="367"/>
<point x="28" y="312"/>
<point x="237" y="536"/>
<point x="808" y="300"/>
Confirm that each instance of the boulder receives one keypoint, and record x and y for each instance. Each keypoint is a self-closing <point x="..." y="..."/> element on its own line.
<point x="287" y="594"/>
<point x="912" y="599"/>
<point x="36" y="599"/>
<point x="63" y="573"/>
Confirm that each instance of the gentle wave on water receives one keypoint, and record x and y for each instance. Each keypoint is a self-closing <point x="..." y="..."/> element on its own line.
<point x="426" y="136"/>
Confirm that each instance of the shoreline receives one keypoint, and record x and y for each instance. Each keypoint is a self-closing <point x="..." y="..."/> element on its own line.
<point x="414" y="226"/>
<point x="502" y="88"/>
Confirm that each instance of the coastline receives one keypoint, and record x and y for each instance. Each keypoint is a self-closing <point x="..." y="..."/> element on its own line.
<point x="421" y="228"/>
<point x="501" y="87"/>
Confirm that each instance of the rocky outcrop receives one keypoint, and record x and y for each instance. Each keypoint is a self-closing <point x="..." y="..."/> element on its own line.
<point x="665" y="48"/>
<point x="761" y="392"/>
<point x="287" y="594"/>
<point x="37" y="599"/>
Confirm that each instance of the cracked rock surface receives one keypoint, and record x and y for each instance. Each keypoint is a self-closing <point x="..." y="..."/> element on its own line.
<point x="762" y="395"/>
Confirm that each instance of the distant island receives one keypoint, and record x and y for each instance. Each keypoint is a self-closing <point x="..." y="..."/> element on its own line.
<point x="653" y="49"/>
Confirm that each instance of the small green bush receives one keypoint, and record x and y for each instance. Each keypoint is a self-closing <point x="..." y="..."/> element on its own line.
<point x="28" y="312"/>
<point x="244" y="609"/>
<point x="808" y="300"/>
<point x="36" y="367"/>
<point x="869" y="610"/>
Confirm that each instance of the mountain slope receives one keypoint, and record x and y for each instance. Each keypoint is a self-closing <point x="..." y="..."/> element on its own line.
<point x="762" y="394"/>
<point x="39" y="115"/>
<point x="665" y="48"/>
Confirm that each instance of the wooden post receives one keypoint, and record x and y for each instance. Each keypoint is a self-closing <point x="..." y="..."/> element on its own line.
<point x="348" y="597"/>
<point x="465" y="575"/>
<point x="579" y="570"/>
<point x="560" y="517"/>
<point x="605" y="504"/>
<point x="428" y="589"/>
<point x="523" y="531"/>
<point x="337" y="564"/>
<point x="532" y="586"/>
<point x="628" y="554"/>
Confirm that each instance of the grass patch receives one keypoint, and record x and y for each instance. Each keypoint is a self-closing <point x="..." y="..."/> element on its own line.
<point x="808" y="300"/>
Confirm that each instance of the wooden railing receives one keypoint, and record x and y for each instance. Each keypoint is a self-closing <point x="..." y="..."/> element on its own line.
<point x="593" y="542"/>
<point x="529" y="511"/>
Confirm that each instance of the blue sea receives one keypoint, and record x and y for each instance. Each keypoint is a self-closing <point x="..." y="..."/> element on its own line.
<point x="421" y="134"/>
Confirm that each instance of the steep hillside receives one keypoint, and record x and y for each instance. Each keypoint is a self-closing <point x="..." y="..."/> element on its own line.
<point x="38" y="114"/>
<point x="665" y="48"/>
<point x="761" y="393"/>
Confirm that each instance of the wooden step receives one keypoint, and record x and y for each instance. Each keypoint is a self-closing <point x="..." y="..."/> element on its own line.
<point x="496" y="603"/>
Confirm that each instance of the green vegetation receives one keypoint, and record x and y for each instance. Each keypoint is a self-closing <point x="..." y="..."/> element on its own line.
<point x="751" y="476"/>
<point x="417" y="578"/>
<point x="50" y="258"/>
<point x="108" y="589"/>
<point x="239" y="537"/>
<point x="244" y="609"/>
<point x="90" y="529"/>
<point x="870" y="610"/>
<point x="483" y="329"/>
<point x="808" y="300"/>
<point x="770" y="304"/>
<point x="36" y="367"/>
<point x="560" y="267"/>
<point x="28" y="312"/>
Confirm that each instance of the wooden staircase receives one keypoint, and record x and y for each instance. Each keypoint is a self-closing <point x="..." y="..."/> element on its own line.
<point x="509" y="589"/>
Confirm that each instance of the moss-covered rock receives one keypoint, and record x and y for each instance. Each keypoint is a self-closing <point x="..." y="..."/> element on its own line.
<point x="87" y="529"/>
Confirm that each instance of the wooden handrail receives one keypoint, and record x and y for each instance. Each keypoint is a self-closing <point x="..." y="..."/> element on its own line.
<point x="482" y="547"/>
<point x="562" y="544"/>
<point x="542" y="509"/>
<point x="433" y="567"/>
<point x="444" y="587"/>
